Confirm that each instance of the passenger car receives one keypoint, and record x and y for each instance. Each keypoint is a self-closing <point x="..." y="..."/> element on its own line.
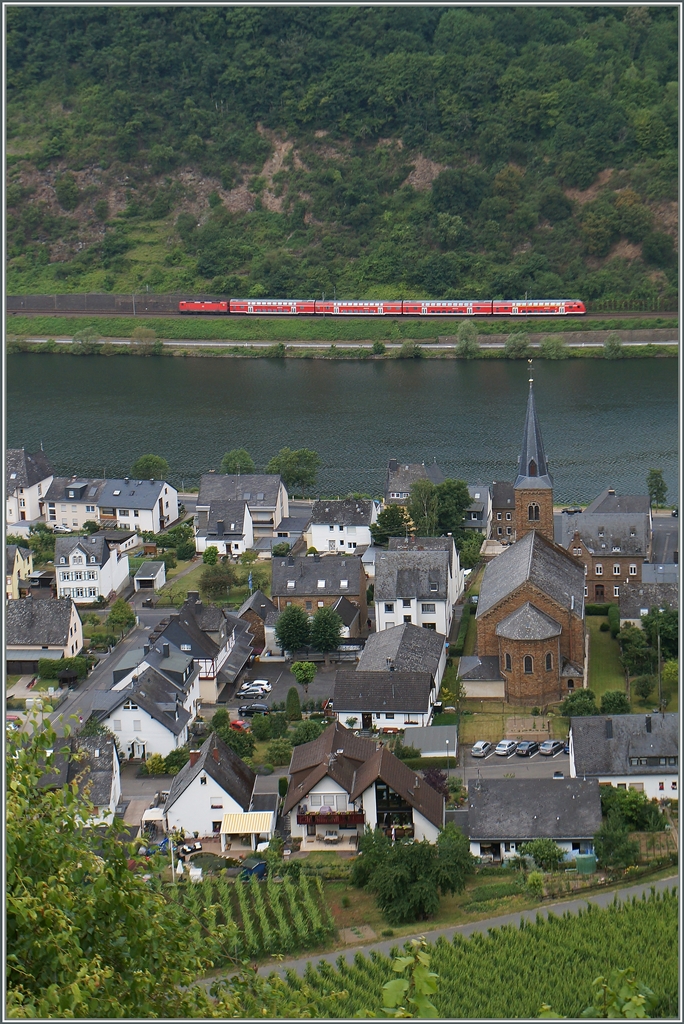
<point x="506" y="747"/>
<point x="481" y="749"/>
<point x="527" y="748"/>
<point x="249" y="710"/>
<point x="551" y="747"/>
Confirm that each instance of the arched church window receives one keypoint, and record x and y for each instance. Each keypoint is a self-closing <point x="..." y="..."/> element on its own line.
<point x="549" y="662"/>
<point x="527" y="665"/>
<point x="533" y="512"/>
<point x="509" y="666"/>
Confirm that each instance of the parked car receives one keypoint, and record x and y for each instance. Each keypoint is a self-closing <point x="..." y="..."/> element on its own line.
<point x="506" y="747"/>
<point x="566" y="747"/>
<point x="237" y="725"/>
<point x="249" y="710"/>
<point x="675" y="513"/>
<point x="527" y="748"/>
<point x="558" y="775"/>
<point x="263" y="683"/>
<point x="61" y="529"/>
<point x="148" y="602"/>
<point x="551" y="747"/>
<point x="481" y="749"/>
<point x="251" y="693"/>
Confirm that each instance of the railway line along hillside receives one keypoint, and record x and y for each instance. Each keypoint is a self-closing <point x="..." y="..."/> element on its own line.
<point x="387" y="153"/>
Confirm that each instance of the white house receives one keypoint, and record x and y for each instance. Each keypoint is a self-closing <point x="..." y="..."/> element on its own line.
<point x="387" y="700"/>
<point x="93" y="763"/>
<point x="341" y="783"/>
<point x="341" y="526"/>
<point x="213" y="783"/>
<point x="478" y="515"/>
<point x="417" y="580"/>
<point x="140" y="505"/>
<point x="628" y="751"/>
<point x="265" y="494"/>
<point x="226" y="526"/>
<point x="27" y="481"/>
<point x="36" y="629"/>
<point x="89" y="567"/>
<point x="406" y="648"/>
<point x="505" y="813"/>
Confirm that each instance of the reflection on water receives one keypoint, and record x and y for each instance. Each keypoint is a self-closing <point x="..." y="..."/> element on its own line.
<point x="604" y="423"/>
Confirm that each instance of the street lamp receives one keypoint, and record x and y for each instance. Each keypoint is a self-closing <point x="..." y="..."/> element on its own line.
<point x="660" y="680"/>
<point x="447" y="755"/>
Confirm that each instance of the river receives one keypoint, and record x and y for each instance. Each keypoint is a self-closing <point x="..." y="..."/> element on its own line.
<point x="604" y="423"/>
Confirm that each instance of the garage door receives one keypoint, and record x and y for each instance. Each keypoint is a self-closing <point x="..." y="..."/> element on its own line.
<point x="146" y="584"/>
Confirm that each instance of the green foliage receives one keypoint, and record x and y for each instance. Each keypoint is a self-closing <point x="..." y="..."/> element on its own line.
<point x="278" y="550"/>
<point x="545" y="853"/>
<point x="210" y="555"/>
<point x="469" y="550"/>
<point x="410" y="350"/>
<point x="621" y="995"/>
<point x="468" y="346"/>
<point x="41" y="542"/>
<point x="297" y="468"/>
<point x="169" y="559"/>
<point x="216" y="580"/>
<point x="517" y="346"/>
<point x="67" y="191"/>
<point x="90" y="527"/>
<point x="404" y="752"/>
<point x="392" y="521"/>
<point x="49" y="668"/>
<point x="453" y="498"/>
<point x="631" y="808"/>
<point x="553" y="346"/>
<point x="644" y="686"/>
<point x="614" y="848"/>
<point x="612" y="346"/>
<point x="326" y="630"/>
<point x="155" y="765"/>
<point x="175" y="759"/>
<point x="410" y="997"/>
<point x="535" y="883"/>
<point x="293" y="710"/>
<point x="279" y="751"/>
<point x="292" y="629"/>
<point x="614" y="619"/>
<point x="279" y="725"/>
<point x="237" y="460"/>
<point x="656" y="486"/>
<point x="185" y="551"/>
<point x="121" y="616"/>
<point x="378" y="348"/>
<point x="305" y="732"/>
<point x="637" y="654"/>
<point x="670" y="673"/>
<point x="242" y="743"/>
<point x="304" y="672"/>
<point x="422" y="507"/>
<point x="615" y="702"/>
<point x="261" y="727"/>
<point x="667" y="624"/>
<point x="283" y="783"/>
<point x="580" y="702"/>
<point x="150" y="467"/>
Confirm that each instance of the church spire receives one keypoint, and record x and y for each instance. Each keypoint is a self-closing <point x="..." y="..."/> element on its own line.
<point x="533" y="469"/>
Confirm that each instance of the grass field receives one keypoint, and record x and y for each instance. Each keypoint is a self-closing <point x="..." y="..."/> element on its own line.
<point x="605" y="668"/>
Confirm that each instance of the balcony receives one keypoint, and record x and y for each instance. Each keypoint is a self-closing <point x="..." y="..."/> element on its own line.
<point x="341" y="818"/>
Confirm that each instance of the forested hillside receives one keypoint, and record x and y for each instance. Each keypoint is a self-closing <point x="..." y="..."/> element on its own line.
<point x="371" y="152"/>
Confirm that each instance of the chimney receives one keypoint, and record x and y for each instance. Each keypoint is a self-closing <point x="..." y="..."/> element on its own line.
<point x="219" y="528"/>
<point x="146" y="648"/>
<point x="393" y="465"/>
<point x="648" y="723"/>
<point x="193" y="595"/>
<point x="194" y="757"/>
<point x="166" y="651"/>
<point x="215" y="754"/>
<point x="126" y="480"/>
<point x="290" y="561"/>
<point x="611" y="490"/>
<point x="609" y="728"/>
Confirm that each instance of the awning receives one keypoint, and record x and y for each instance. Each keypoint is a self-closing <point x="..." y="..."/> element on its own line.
<point x="153" y="814"/>
<point x="249" y="823"/>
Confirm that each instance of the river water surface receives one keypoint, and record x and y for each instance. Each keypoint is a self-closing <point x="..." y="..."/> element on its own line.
<point x="604" y="423"/>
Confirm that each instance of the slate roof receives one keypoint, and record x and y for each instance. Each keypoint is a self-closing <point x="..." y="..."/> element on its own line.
<point x="262" y="605"/>
<point x="91" y="761"/>
<point x="344" y="512"/>
<point x="259" y="490"/>
<point x="409" y="574"/>
<point x="230" y="513"/>
<point x="433" y="737"/>
<point x="480" y="669"/>
<point x="402" y="475"/>
<point x="634" y="597"/>
<point x="503" y="496"/>
<point x="307" y="571"/>
<point x="135" y="493"/>
<point x="424" y="544"/>
<point x="383" y="765"/>
<point x="347" y="611"/>
<point x="11" y="554"/>
<point x="410" y="648"/>
<point x="548" y="567"/>
<point x="533" y="470"/>
<point x="116" y="536"/>
<point x="155" y="694"/>
<point x="24" y="470"/>
<point x="668" y="573"/>
<point x="184" y="628"/>
<point x="384" y="691"/>
<point x="528" y="623"/>
<point x="526" y="809"/>
<point x="223" y="765"/>
<point x="617" y="529"/>
<point x="598" y="754"/>
<point x="148" y="570"/>
<point x="31" y="623"/>
<point x="95" y="546"/>
<point x="609" y="501"/>
<point x="264" y="802"/>
<point x="91" y="493"/>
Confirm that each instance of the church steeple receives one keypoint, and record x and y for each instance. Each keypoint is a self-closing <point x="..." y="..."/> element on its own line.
<point x="533" y="469"/>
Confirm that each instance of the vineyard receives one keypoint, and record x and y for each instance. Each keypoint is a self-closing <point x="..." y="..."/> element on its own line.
<point x="227" y="920"/>
<point x="511" y="971"/>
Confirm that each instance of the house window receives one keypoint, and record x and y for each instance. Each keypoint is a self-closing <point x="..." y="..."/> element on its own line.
<point x="321" y="584"/>
<point x="116" y="724"/>
<point x="136" y="513"/>
<point x="405" y="602"/>
<point x="216" y="826"/>
<point x="130" y="706"/>
<point x="586" y="591"/>
<point x="527" y="665"/>
<point x="601" y="532"/>
<point x="616" y="547"/>
<point x="309" y="605"/>
<point x="616" y="591"/>
<point x="599" y="570"/>
<point x="203" y="780"/>
<point x="321" y="604"/>
<point x="216" y="803"/>
<point x="549" y="662"/>
<point x="186" y="647"/>
<point x="427" y="609"/>
<point x="499" y="530"/>
<point x="509" y="664"/>
<point x="315" y="800"/>
<point x="291" y="584"/>
<point x="508" y="531"/>
<point x="388" y="715"/>
<point x="577" y="551"/>
<point x="92" y="558"/>
<point x="90" y="508"/>
<point x="673" y="785"/>
<point x="137" y="725"/>
<point x="389" y="607"/>
<point x="661" y="786"/>
<point x="632" y="570"/>
<point x="509" y="516"/>
<point x="616" y="569"/>
<point x="344" y="583"/>
<point x="533" y="512"/>
<point x="331" y="528"/>
<point x="434" y="587"/>
<point x="498" y="515"/>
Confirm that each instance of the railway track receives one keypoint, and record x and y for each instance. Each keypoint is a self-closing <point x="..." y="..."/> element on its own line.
<point x="222" y="316"/>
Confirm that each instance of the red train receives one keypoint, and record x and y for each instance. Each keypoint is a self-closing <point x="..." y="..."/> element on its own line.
<point x="388" y="307"/>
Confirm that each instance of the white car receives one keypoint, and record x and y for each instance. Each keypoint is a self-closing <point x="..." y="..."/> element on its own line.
<point x="505" y="748"/>
<point x="254" y="689"/>
<point x="61" y="529"/>
<point x="263" y="684"/>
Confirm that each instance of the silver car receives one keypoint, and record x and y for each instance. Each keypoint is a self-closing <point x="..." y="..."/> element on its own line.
<point x="481" y="749"/>
<point x="506" y="747"/>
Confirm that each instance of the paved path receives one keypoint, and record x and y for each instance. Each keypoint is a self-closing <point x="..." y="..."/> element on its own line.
<point x="600" y="899"/>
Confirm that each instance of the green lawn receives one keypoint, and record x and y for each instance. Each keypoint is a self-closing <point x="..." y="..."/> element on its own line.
<point x="10" y="681"/>
<point x="605" y="668"/>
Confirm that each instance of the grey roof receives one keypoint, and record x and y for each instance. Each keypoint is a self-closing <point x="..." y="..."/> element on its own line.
<point x="24" y="470"/>
<point x="116" y="536"/>
<point x="596" y="753"/>
<point x="347" y="611"/>
<point x="292" y="525"/>
<point x="148" y="570"/>
<point x="545" y="565"/>
<point x="136" y="493"/>
<point x="230" y="513"/>
<point x="306" y="572"/>
<point x="30" y="622"/>
<point x="91" y="762"/>
<point x="433" y="737"/>
<point x="90" y="489"/>
<point x="224" y="766"/>
<point x="526" y="809"/>
<point x="668" y="573"/>
<point x="259" y="490"/>
<point x="410" y="649"/>
<point x="609" y="501"/>
<point x="264" y="802"/>
<point x="262" y="605"/>
<point x="533" y="470"/>
<point x="402" y="475"/>
<point x="410" y="574"/>
<point x="602" y="532"/>
<point x="382" y="691"/>
<point x="424" y="544"/>
<point x="480" y="669"/>
<point x="528" y="623"/>
<point x="154" y="693"/>
<point x="94" y="546"/>
<point x="345" y="512"/>
<point x="11" y="554"/>
<point x="503" y="495"/>
<point x="634" y="597"/>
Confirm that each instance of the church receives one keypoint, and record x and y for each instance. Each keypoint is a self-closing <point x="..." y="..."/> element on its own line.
<point x="530" y="613"/>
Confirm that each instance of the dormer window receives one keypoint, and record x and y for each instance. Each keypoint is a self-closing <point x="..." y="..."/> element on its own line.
<point x="116" y="492"/>
<point x="321" y="584"/>
<point x="185" y="647"/>
<point x="434" y="587"/>
<point x="601" y="532"/>
<point x="616" y="547"/>
<point x="290" y="584"/>
<point x="344" y="584"/>
<point x="92" y="558"/>
<point x="62" y="561"/>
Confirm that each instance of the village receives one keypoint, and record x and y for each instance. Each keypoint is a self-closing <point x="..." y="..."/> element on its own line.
<point x="249" y="672"/>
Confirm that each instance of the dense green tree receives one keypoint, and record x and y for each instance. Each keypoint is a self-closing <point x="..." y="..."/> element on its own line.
<point x="422" y="507"/>
<point x="665" y="622"/>
<point x="392" y="521"/>
<point x="469" y="550"/>
<point x="554" y="347"/>
<point x="297" y="468"/>
<point x="261" y="727"/>
<point x="517" y="346"/>
<point x="614" y="848"/>
<point x="657" y="488"/>
<point x="121" y="616"/>
<point x="279" y="751"/>
<point x="210" y="555"/>
<point x="468" y="346"/>
<point x="326" y="631"/>
<point x="453" y="498"/>
<point x="636" y="653"/>
<point x="293" y="708"/>
<point x="615" y="702"/>
<point x="237" y="460"/>
<point x="581" y="702"/>
<point x="216" y="580"/>
<point x="293" y="629"/>
<point x="546" y="854"/>
<point x="41" y="541"/>
<point x="279" y="725"/>
<point x="644" y="686"/>
<point x="306" y="731"/>
<point x="612" y="346"/>
<point x="304" y="672"/>
<point x="633" y="808"/>
<point x="150" y="467"/>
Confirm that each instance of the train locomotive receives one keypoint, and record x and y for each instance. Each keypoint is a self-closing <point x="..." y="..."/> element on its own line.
<point x="385" y="307"/>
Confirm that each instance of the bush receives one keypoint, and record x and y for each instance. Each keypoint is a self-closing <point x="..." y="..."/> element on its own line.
<point x="155" y="765"/>
<point x="279" y="725"/>
<point x="49" y="668"/>
<point x="410" y="350"/>
<point x="185" y="551"/>
<point x="615" y="702"/>
<point x="596" y="609"/>
<point x="210" y="556"/>
<point x="405" y="753"/>
<point x="293" y="710"/>
<point x="261" y="727"/>
<point x="283" y="781"/>
<point x="612" y="346"/>
<point x="279" y="752"/>
<point x="604" y="627"/>
<point x="280" y="549"/>
<point x="535" y="883"/>
<point x="614" y="620"/>
<point x="305" y="732"/>
<point x="644" y="686"/>
<point x="378" y="348"/>
<point x="496" y="891"/>
<point x="517" y="346"/>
